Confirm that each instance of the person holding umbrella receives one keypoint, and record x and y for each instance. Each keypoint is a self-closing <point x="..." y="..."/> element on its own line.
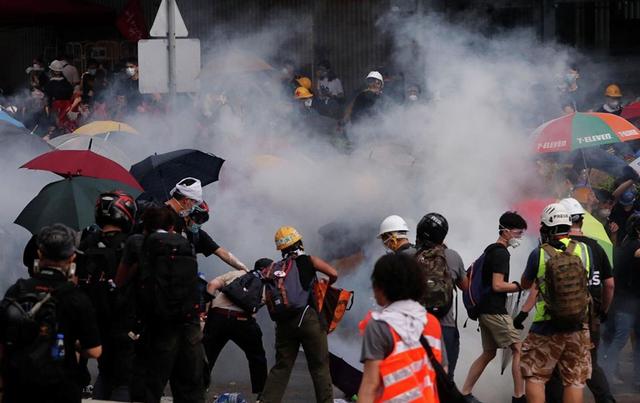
<point x="185" y="197"/>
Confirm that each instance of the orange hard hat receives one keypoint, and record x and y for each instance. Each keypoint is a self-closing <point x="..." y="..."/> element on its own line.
<point x="613" y="91"/>
<point x="302" y="93"/>
<point x="304" y="82"/>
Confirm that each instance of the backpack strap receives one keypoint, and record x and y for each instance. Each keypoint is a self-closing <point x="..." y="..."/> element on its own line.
<point x="550" y="250"/>
<point x="571" y="247"/>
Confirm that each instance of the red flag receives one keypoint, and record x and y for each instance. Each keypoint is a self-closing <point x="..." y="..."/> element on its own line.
<point x="131" y="23"/>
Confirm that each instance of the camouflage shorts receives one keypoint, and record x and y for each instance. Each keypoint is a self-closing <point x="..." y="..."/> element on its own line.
<point x="569" y="351"/>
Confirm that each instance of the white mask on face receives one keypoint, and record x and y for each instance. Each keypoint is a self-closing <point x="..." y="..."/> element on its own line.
<point x="131" y="71"/>
<point x="413" y="97"/>
<point x="308" y="102"/>
<point x="514" y="242"/>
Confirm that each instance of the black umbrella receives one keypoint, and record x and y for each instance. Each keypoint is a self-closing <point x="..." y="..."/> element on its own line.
<point x="159" y="173"/>
<point x="18" y="140"/>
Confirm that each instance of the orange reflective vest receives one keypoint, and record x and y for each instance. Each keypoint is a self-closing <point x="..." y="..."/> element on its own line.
<point x="407" y="375"/>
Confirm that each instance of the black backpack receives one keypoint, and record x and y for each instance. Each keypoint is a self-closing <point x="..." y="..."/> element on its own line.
<point x="246" y="291"/>
<point x="30" y="321"/>
<point x="168" y="282"/>
<point x="97" y="269"/>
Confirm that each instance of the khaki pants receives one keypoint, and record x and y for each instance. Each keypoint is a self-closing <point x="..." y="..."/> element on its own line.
<point x="313" y="338"/>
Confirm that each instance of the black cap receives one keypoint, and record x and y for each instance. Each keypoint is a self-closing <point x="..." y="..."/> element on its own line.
<point x="57" y="242"/>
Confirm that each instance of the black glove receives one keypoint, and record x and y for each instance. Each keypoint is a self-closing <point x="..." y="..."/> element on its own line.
<point x="519" y="320"/>
<point x="518" y="284"/>
<point x="603" y="316"/>
<point x="629" y="173"/>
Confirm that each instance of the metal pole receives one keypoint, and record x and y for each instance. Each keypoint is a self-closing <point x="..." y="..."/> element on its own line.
<point x="171" y="34"/>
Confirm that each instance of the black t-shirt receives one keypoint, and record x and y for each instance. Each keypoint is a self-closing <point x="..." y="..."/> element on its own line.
<point x="496" y="260"/>
<point x="620" y="216"/>
<point x="201" y="241"/>
<point x="77" y="321"/>
<point x="600" y="268"/>
<point x="626" y="265"/>
<point x="58" y="90"/>
<point x="306" y="270"/>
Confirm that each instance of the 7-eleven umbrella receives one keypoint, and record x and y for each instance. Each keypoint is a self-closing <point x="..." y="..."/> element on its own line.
<point x="583" y="130"/>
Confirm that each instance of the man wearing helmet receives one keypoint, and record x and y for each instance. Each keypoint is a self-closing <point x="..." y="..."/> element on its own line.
<point x="496" y="325"/>
<point x="430" y="233"/>
<point x="612" y="104"/>
<point x="547" y="345"/>
<point x="393" y="234"/>
<point x="303" y="327"/>
<point x="187" y="203"/>
<point x="102" y="246"/>
<point x="601" y="286"/>
<point x="28" y="374"/>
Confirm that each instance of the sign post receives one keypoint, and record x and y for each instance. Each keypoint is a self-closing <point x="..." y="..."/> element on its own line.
<point x="169" y="65"/>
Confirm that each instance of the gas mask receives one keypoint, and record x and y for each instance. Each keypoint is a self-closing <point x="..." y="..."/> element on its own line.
<point x="413" y="97"/>
<point x="613" y="103"/>
<point x="513" y="242"/>
<point x="308" y="102"/>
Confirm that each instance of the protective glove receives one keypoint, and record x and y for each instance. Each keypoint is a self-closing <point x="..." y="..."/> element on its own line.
<point x="519" y="320"/>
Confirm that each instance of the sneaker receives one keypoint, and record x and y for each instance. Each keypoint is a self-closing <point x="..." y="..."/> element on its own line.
<point x="470" y="398"/>
<point x="521" y="399"/>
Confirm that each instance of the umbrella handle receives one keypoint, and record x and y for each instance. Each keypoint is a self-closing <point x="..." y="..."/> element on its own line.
<point x="90" y="143"/>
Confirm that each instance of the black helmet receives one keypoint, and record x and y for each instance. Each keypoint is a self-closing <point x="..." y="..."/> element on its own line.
<point x="432" y="228"/>
<point x="116" y="208"/>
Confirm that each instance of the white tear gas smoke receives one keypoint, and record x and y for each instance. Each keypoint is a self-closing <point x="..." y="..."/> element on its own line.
<point x="462" y="153"/>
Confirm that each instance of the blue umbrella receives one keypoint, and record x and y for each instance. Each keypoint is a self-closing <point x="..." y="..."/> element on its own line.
<point x="4" y="116"/>
<point x="159" y="173"/>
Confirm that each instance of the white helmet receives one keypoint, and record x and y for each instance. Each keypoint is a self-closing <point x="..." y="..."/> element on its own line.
<point x="376" y="75"/>
<point x="394" y="223"/>
<point x="573" y="207"/>
<point x="555" y="214"/>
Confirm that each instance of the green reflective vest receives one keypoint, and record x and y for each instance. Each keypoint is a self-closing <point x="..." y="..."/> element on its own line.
<point x="581" y="250"/>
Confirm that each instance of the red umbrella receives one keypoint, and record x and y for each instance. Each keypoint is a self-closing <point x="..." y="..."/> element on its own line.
<point x="631" y="111"/>
<point x="82" y="163"/>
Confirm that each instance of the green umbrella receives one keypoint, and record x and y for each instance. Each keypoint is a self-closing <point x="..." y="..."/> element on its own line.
<point x="595" y="230"/>
<point x="70" y="201"/>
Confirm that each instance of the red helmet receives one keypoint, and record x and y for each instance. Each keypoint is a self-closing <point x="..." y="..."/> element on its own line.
<point x="200" y="213"/>
<point x="116" y="208"/>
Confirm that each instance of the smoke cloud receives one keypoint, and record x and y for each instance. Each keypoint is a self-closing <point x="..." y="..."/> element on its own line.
<point x="461" y="151"/>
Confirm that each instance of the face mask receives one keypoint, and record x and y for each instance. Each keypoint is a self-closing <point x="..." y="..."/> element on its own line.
<point x="514" y="242"/>
<point x="613" y="104"/>
<point x="571" y="78"/>
<point x="308" y="102"/>
<point x="605" y="212"/>
<point x="413" y="97"/>
<point x="131" y="71"/>
<point x="92" y="71"/>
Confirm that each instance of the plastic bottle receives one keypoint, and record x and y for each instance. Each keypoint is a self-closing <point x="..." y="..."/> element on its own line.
<point x="57" y="350"/>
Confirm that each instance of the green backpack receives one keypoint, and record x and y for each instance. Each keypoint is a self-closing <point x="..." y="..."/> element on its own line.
<point x="438" y="297"/>
<point x="566" y="293"/>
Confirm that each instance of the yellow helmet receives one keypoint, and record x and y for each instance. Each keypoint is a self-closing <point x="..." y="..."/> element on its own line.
<point x="286" y="236"/>
<point x="304" y="82"/>
<point x="302" y="93"/>
<point x="613" y="91"/>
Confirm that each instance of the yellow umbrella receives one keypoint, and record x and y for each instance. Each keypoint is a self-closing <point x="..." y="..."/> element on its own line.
<point x="104" y="126"/>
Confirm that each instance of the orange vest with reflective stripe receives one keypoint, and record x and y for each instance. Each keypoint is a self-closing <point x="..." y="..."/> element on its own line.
<point x="407" y="375"/>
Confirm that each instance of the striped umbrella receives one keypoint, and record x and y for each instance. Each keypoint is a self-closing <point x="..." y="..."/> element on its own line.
<point x="583" y="130"/>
